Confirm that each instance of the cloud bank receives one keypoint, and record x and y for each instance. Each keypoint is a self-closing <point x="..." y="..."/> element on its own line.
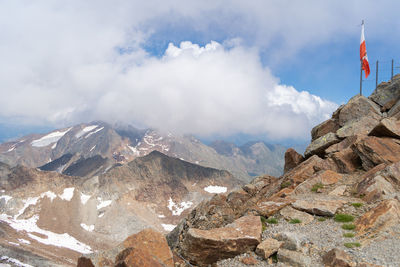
<point x="64" y="62"/>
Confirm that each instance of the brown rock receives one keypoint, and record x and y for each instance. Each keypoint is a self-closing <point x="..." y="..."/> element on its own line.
<point x="362" y="126"/>
<point x="203" y="247"/>
<point x="326" y="177"/>
<point x="389" y="127"/>
<point x="346" y="160"/>
<point x="337" y="258"/>
<point x="84" y="262"/>
<point x="289" y="213"/>
<point x="137" y="257"/>
<point x="269" y="208"/>
<point x="380" y="219"/>
<point x="323" y="207"/>
<point x="374" y="151"/>
<point x="358" y="107"/>
<point x="306" y="169"/>
<point x="366" y="264"/>
<point x="292" y="159"/>
<point x="328" y="126"/>
<point x="293" y="258"/>
<point x="268" y="247"/>
<point x="149" y="242"/>
<point x="249" y="260"/>
<point x="338" y="191"/>
<point x="347" y="142"/>
<point x="318" y="146"/>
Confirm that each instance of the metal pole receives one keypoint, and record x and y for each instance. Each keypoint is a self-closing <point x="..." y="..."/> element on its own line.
<point x="392" y="70"/>
<point x="360" y="77"/>
<point x="376" y="79"/>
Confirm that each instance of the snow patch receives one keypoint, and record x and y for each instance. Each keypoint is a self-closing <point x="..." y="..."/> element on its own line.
<point x="103" y="204"/>
<point x="86" y="130"/>
<point x="13" y="243"/>
<point x="49" y="139"/>
<point x="177" y="209"/>
<point x="67" y="194"/>
<point x="161" y="216"/>
<point x="134" y="150"/>
<point x="54" y="146"/>
<point x="85" y="198"/>
<point x="88" y="228"/>
<point x="24" y="241"/>
<point x="92" y="148"/>
<point x="101" y="215"/>
<point x="98" y="130"/>
<point x="11" y="149"/>
<point x="54" y="239"/>
<point x="168" y="227"/>
<point x="14" y="261"/>
<point x="215" y="189"/>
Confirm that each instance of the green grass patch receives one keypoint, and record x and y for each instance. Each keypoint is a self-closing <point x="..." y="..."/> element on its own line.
<point x="357" y="204"/>
<point x="274" y="258"/>
<point x="272" y="221"/>
<point x="348" y="226"/>
<point x="285" y="184"/>
<point x="263" y="223"/>
<point x="349" y="235"/>
<point x="294" y="221"/>
<point x="317" y="186"/>
<point x="321" y="219"/>
<point x="352" y="245"/>
<point x="344" y="217"/>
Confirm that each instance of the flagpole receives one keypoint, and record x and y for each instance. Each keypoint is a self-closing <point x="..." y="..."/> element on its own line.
<point x="362" y="23"/>
<point x="360" y="77"/>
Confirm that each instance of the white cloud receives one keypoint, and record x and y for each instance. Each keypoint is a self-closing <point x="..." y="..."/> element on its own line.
<point x="61" y="62"/>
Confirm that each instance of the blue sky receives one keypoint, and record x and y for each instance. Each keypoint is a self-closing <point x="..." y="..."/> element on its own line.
<point x="269" y="69"/>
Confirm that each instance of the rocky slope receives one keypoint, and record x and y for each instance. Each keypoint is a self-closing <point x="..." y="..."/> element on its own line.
<point x="338" y="205"/>
<point x="49" y="219"/>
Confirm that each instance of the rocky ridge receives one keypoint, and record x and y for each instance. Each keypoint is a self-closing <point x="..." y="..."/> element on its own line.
<point x="338" y="205"/>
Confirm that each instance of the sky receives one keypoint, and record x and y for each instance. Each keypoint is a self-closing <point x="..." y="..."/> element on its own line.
<point x="271" y="69"/>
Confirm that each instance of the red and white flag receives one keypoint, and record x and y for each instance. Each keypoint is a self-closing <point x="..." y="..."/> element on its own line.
<point x="363" y="53"/>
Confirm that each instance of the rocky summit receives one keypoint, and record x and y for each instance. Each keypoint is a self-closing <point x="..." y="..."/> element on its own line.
<point x="338" y="205"/>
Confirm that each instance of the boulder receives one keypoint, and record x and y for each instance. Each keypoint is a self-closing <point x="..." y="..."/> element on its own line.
<point x="337" y="258"/>
<point x="293" y="258"/>
<point x="374" y="151"/>
<point x="269" y="207"/>
<point x="318" y="146"/>
<point x="292" y="159"/>
<point x="203" y="247"/>
<point x="362" y="126"/>
<point x="322" y="207"/>
<point x="386" y="92"/>
<point x="306" y="169"/>
<point x="380" y="219"/>
<point x="290" y="241"/>
<point x="359" y="106"/>
<point x="148" y="242"/>
<point x="338" y="191"/>
<point x="328" y="126"/>
<point x="289" y="213"/>
<point x="268" y="247"/>
<point x="326" y="177"/>
<point x="346" y="160"/>
<point x="346" y="143"/>
<point x="389" y="127"/>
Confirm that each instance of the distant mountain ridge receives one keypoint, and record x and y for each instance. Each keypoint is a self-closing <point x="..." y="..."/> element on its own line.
<point x="101" y="145"/>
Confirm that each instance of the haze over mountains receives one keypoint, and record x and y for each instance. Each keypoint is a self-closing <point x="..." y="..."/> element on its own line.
<point x="89" y="149"/>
